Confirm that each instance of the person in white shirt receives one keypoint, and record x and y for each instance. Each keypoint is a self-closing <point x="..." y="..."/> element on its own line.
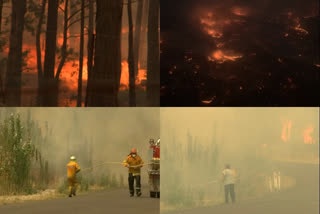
<point x="228" y="181"/>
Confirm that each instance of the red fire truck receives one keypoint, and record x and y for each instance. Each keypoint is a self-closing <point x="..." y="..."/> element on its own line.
<point x="154" y="168"/>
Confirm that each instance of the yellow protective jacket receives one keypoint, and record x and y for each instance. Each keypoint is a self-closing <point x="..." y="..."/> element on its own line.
<point x="73" y="168"/>
<point x="134" y="164"/>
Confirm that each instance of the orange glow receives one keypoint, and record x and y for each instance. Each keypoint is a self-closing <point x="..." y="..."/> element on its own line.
<point x="240" y="11"/>
<point x="211" y="27"/>
<point x="213" y="33"/>
<point x="125" y="30"/>
<point x="124" y="80"/>
<point x="308" y="139"/>
<point x="70" y="70"/>
<point x="286" y="130"/>
<point x="209" y="101"/>
<point x="298" y="27"/>
<point x="220" y="57"/>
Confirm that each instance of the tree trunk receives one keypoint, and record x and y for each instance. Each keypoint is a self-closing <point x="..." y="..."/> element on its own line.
<point x="64" y="48"/>
<point x="90" y="47"/>
<point x="153" y="75"/>
<point x="107" y="59"/>
<point x="73" y="30"/>
<point x="14" y="67"/>
<point x="50" y="85"/>
<point x="1" y="7"/>
<point x="119" y="58"/>
<point x="143" y="36"/>
<point x="39" y="57"/>
<point x="132" y="85"/>
<point x="79" y="101"/>
<point x="137" y="36"/>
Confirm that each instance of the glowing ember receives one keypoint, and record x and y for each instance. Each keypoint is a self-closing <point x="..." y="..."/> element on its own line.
<point x="239" y="11"/>
<point x="213" y="26"/>
<point x="308" y="139"/>
<point x="286" y="131"/>
<point x="208" y="101"/>
<point x="298" y="27"/>
<point x="220" y="57"/>
<point x="213" y="33"/>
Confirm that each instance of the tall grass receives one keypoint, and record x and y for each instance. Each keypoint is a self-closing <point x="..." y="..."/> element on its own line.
<point x="22" y="168"/>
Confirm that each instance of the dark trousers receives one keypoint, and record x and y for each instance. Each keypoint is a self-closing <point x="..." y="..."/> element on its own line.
<point x="131" y="179"/>
<point x="229" y="189"/>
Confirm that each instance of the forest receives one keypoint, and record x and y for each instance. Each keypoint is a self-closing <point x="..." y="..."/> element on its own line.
<point x="84" y="53"/>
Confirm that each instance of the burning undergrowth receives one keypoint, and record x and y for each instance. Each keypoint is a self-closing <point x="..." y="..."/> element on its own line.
<point x="239" y="55"/>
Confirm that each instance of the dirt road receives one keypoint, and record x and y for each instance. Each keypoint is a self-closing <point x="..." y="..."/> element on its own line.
<point x="113" y="202"/>
<point x="303" y="198"/>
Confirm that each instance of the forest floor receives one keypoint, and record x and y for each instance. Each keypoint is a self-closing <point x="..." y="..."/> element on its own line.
<point x="302" y="198"/>
<point x="116" y="201"/>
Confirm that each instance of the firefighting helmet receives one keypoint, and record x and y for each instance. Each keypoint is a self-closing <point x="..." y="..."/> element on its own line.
<point x="134" y="151"/>
<point x="73" y="158"/>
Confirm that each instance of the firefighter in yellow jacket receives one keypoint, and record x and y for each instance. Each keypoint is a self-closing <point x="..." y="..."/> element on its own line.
<point x="72" y="169"/>
<point x="134" y="163"/>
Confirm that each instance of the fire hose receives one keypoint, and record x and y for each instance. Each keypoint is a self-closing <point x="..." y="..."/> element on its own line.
<point x="109" y="162"/>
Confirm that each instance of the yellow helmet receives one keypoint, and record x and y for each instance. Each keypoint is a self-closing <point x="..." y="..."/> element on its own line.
<point x="73" y="158"/>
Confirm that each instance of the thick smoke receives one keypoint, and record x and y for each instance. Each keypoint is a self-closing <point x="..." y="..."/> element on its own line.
<point x="97" y="134"/>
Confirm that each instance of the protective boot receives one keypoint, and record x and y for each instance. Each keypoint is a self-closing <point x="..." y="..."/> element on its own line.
<point x="70" y="191"/>
<point x="74" y="191"/>
<point x="138" y="192"/>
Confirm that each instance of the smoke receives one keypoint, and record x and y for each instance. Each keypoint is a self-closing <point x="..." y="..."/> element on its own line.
<point x="96" y="134"/>
<point x="199" y="142"/>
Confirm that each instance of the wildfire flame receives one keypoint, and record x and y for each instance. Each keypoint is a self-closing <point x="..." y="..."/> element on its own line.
<point x="308" y="139"/>
<point x="124" y="81"/>
<point x="214" y="25"/>
<point x="220" y="57"/>
<point x="240" y="11"/>
<point x="286" y="131"/>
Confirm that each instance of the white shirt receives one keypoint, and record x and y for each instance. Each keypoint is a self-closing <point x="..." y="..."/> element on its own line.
<point x="228" y="176"/>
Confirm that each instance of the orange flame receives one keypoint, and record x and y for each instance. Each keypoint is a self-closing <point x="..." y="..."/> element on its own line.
<point x="240" y="11"/>
<point x="124" y="80"/>
<point x="286" y="131"/>
<point x="308" y="139"/>
<point x="220" y="57"/>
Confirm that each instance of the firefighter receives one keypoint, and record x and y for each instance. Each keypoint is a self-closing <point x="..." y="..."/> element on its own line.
<point x="134" y="163"/>
<point x="73" y="169"/>
<point x="228" y="181"/>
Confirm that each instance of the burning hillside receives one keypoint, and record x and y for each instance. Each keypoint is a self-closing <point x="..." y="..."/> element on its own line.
<point x="244" y="54"/>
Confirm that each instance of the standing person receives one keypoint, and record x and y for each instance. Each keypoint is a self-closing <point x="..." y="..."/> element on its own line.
<point x="228" y="181"/>
<point x="72" y="170"/>
<point x="134" y="163"/>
